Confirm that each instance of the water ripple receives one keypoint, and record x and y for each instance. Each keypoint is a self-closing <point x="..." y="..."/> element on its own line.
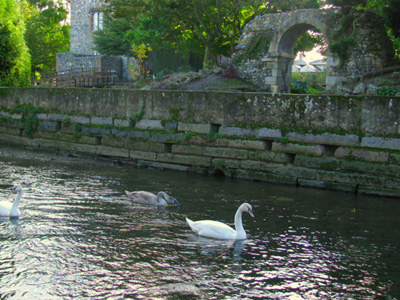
<point x="81" y="238"/>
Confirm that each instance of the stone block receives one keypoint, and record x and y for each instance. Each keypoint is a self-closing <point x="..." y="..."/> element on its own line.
<point x="49" y="126"/>
<point x="79" y="119"/>
<point x="343" y="153"/>
<point x="237" y="131"/>
<point x="259" y="166"/>
<point x="184" y="159"/>
<point x="195" y="128"/>
<point x="225" y="152"/>
<point x="112" y="151"/>
<point x="381" y="143"/>
<point x="226" y="163"/>
<point x="314" y="150"/>
<point x="294" y="171"/>
<point x="12" y="123"/>
<point x="265" y="176"/>
<point x="240" y="144"/>
<point x="172" y="126"/>
<point x="101" y="120"/>
<point x="167" y="137"/>
<point x="365" y="167"/>
<point x="139" y="135"/>
<point x="16" y="116"/>
<point x="16" y="140"/>
<point x="363" y="155"/>
<point x="187" y="149"/>
<point x="268" y="134"/>
<point x="143" y="155"/>
<point x="144" y="146"/>
<point x="162" y="166"/>
<point x="122" y="123"/>
<point x="11" y="131"/>
<point x="378" y="191"/>
<point x="113" y="141"/>
<point x="394" y="159"/>
<point x="393" y="183"/>
<point x="145" y="124"/>
<point x="269" y="156"/>
<point x="311" y="183"/>
<point x="97" y="131"/>
<point x="119" y="133"/>
<point x="65" y="146"/>
<point x="42" y="116"/>
<point x="90" y="149"/>
<point x="328" y="163"/>
<point x="345" y="187"/>
<point x="325" y="139"/>
<point x="57" y="117"/>
<point x="352" y="178"/>
<point x="326" y="175"/>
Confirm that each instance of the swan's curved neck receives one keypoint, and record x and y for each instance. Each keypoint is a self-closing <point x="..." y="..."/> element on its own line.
<point x="240" y="232"/>
<point x="160" y="197"/>
<point x="14" y="207"/>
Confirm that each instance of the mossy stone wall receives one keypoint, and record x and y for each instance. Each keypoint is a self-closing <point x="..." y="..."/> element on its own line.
<point x="322" y="141"/>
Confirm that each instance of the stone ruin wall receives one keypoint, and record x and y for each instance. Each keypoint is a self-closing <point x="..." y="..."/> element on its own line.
<point x="330" y="142"/>
<point x="372" y="52"/>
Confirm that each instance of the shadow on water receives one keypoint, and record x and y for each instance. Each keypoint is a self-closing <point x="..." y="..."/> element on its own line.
<point x="80" y="238"/>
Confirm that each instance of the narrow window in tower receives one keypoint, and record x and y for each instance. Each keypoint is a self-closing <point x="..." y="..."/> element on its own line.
<point x="96" y="20"/>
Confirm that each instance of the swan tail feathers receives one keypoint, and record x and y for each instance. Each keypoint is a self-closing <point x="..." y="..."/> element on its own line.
<point x="191" y="224"/>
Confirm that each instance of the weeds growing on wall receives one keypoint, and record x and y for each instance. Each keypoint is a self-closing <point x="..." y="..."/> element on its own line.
<point x="28" y="117"/>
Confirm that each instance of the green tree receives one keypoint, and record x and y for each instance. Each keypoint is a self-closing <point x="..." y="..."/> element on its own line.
<point x="353" y="11"/>
<point x="214" y="24"/>
<point x="112" y="39"/>
<point x="14" y="54"/>
<point x="46" y="23"/>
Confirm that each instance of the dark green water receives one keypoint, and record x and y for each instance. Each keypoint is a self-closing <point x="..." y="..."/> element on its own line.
<point x="79" y="238"/>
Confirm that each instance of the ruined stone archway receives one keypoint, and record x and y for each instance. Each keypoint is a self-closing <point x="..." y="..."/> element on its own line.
<point x="276" y="34"/>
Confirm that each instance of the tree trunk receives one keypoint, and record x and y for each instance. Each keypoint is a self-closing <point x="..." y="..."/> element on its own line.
<point x="208" y="57"/>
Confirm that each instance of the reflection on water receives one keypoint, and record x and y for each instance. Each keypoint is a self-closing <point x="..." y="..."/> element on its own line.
<point x="80" y="237"/>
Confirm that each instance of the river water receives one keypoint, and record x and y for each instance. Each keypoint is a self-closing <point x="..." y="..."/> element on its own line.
<point x="80" y="238"/>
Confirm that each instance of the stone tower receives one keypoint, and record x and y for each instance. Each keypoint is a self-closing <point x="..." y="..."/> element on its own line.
<point x="85" y="18"/>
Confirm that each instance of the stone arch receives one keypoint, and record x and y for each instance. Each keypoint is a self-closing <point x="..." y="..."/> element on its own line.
<point x="284" y="30"/>
<point x="271" y="67"/>
<point x="283" y="43"/>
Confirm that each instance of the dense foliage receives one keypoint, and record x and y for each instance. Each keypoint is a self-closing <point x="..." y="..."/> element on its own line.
<point x="14" y="54"/>
<point x="45" y="21"/>
<point x="354" y="12"/>
<point x="207" y="27"/>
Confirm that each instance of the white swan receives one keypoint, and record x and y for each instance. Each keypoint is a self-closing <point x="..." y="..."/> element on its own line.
<point x="10" y="209"/>
<point x="218" y="230"/>
<point x="148" y="198"/>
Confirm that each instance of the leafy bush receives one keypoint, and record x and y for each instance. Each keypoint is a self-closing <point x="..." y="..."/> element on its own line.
<point x="387" y="90"/>
<point x="299" y="87"/>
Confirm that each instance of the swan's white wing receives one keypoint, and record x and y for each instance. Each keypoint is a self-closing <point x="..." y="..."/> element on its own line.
<point x="212" y="229"/>
<point x="5" y="208"/>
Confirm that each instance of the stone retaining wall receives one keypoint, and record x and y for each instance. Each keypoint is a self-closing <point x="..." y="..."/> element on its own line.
<point x="329" y="142"/>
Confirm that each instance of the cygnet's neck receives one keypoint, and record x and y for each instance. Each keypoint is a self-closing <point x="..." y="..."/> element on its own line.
<point x="160" y="198"/>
